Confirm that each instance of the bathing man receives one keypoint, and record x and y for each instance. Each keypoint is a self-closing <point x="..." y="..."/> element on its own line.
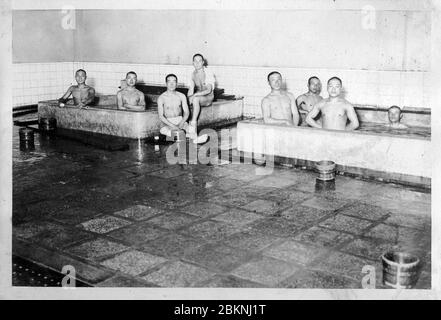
<point x="306" y="101"/>
<point x="200" y="92"/>
<point x="335" y="110"/>
<point x="279" y="106"/>
<point x="394" y="115"/>
<point x="170" y="106"/>
<point x="82" y="94"/>
<point x="130" y="98"/>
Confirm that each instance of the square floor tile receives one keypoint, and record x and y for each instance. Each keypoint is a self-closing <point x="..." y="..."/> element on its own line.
<point x="250" y="240"/>
<point x="138" y="233"/>
<point x="203" y="209"/>
<point x="304" y="215"/>
<point x="97" y="249"/>
<point x="178" y="274"/>
<point x="257" y="191"/>
<point x="345" y="265"/>
<point x="173" y="245"/>
<point x="217" y="258"/>
<point x="288" y="196"/>
<point x="324" y="204"/>
<point x="369" y="248"/>
<point x="365" y="211"/>
<point x="236" y="199"/>
<point x="345" y="223"/>
<point x="133" y="262"/>
<point x="292" y="251"/>
<point x="173" y="220"/>
<point x="275" y="226"/>
<point x="30" y="229"/>
<point x="314" y="279"/>
<point x="139" y="212"/>
<point x="265" y="270"/>
<point x="123" y="281"/>
<point x="237" y="217"/>
<point x="227" y="184"/>
<point x="169" y="172"/>
<point x="211" y="230"/>
<point x="73" y="216"/>
<point x="228" y="281"/>
<point x="422" y="222"/>
<point x="273" y="182"/>
<point x="323" y="237"/>
<point x="104" y="224"/>
<point x="59" y="236"/>
<point x="408" y="239"/>
<point x="265" y="207"/>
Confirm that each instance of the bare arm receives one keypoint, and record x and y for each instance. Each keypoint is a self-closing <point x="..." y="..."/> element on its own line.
<point x="120" y="101"/>
<point x="294" y="110"/>
<point x="186" y="110"/>
<point x="190" y="88"/>
<point x="266" y="112"/>
<point x="141" y="99"/>
<point x="205" y="92"/>
<point x="89" y="99"/>
<point x="353" y="119"/>
<point x="311" y="115"/>
<point x="66" y="95"/>
<point x="161" y="113"/>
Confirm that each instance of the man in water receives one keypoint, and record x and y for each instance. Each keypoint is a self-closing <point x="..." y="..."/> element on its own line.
<point x="82" y="94"/>
<point x="335" y="110"/>
<point x="279" y="106"/>
<point x="200" y="92"/>
<point x="171" y="105"/>
<point x="394" y="115"/>
<point x="130" y="98"/>
<point x="307" y="101"/>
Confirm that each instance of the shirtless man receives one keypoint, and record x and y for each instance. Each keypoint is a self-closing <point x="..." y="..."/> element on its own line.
<point x="201" y="90"/>
<point x="335" y="110"/>
<point x="170" y="106"/>
<point x="279" y="106"/>
<point x="306" y="101"/>
<point x="82" y="94"/>
<point x="130" y="98"/>
<point x="394" y="115"/>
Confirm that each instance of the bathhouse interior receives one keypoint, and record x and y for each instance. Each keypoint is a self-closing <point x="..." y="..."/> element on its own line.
<point x="256" y="204"/>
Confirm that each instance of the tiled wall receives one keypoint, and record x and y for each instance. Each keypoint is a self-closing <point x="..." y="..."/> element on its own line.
<point x="34" y="82"/>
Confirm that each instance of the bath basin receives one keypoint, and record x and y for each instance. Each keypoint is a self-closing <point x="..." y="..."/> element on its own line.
<point x="391" y="155"/>
<point x="103" y="116"/>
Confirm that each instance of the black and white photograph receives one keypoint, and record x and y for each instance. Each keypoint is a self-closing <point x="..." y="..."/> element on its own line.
<point x="251" y="145"/>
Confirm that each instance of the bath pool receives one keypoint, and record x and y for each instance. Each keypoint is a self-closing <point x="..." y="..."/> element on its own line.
<point x="374" y="150"/>
<point x="103" y="116"/>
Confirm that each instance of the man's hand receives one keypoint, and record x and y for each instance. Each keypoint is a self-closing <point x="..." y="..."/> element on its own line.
<point x="181" y="124"/>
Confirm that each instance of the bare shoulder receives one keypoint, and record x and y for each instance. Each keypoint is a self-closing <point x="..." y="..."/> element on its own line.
<point x="120" y="92"/>
<point x="347" y="104"/>
<point x="321" y="103"/>
<point x="181" y="95"/>
<point x="290" y="95"/>
<point x="266" y="99"/>
<point x="301" y="97"/>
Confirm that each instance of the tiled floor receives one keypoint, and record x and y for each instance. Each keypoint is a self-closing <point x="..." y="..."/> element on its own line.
<point x="128" y="218"/>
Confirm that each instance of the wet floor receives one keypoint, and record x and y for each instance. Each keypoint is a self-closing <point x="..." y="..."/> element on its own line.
<point x="130" y="218"/>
